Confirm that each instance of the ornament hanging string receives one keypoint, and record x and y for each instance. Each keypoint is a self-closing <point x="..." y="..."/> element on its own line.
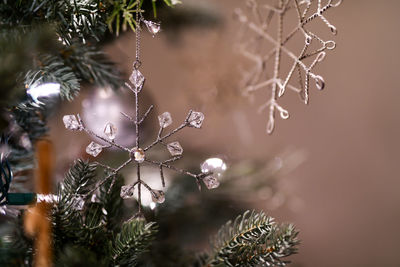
<point x="137" y="62"/>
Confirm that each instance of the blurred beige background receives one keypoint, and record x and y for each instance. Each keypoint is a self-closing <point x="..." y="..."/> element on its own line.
<point x="348" y="186"/>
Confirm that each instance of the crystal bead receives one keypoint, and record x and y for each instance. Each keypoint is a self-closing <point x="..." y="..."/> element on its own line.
<point x="71" y="123"/>
<point x="95" y="199"/>
<point x="110" y="131"/>
<point x="214" y="165"/>
<point x="137" y="154"/>
<point x="196" y="119"/>
<point x="158" y="196"/>
<point x="25" y="141"/>
<point x="94" y="149"/>
<point x="127" y="191"/>
<point x="211" y="181"/>
<point x="5" y="151"/>
<point x="78" y="203"/>
<point x="319" y="82"/>
<point x="137" y="79"/>
<point x="175" y="148"/>
<point x="165" y="120"/>
<point x="153" y="27"/>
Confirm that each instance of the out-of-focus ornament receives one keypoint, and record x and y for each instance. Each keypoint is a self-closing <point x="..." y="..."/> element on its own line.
<point x="269" y="49"/>
<point x="213" y="165"/>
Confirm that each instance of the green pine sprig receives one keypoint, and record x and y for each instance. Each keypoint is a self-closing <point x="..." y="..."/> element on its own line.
<point x="253" y="239"/>
<point x="52" y="69"/>
<point x="134" y="239"/>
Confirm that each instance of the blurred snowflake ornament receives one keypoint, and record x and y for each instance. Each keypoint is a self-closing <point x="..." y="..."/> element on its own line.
<point x="261" y="44"/>
<point x="137" y="154"/>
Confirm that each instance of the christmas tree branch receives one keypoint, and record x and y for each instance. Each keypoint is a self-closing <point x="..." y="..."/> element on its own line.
<point x="134" y="239"/>
<point x="253" y="239"/>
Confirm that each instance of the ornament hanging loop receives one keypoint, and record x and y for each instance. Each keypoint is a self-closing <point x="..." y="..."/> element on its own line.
<point x="136" y="64"/>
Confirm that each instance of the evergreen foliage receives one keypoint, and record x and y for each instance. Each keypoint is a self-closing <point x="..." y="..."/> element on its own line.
<point x="253" y="239"/>
<point x="92" y="237"/>
<point x="134" y="239"/>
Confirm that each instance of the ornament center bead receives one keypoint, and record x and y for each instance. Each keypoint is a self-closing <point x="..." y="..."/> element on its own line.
<point x="137" y="154"/>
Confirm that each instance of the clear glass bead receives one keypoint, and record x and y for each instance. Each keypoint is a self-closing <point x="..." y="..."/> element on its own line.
<point x="165" y="120"/>
<point x="78" y="203"/>
<point x="175" y="149"/>
<point x="158" y="196"/>
<point x="127" y="191"/>
<point x="152" y="26"/>
<point x="110" y="131"/>
<point x="25" y="141"/>
<point x="319" y="82"/>
<point x="137" y="154"/>
<point x="94" y="149"/>
<point x="137" y="79"/>
<point x="213" y="165"/>
<point x="196" y="119"/>
<point x="5" y="151"/>
<point x="211" y="181"/>
<point x="71" y="123"/>
<point x="95" y="199"/>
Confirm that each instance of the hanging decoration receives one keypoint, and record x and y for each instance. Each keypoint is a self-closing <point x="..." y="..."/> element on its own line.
<point x="269" y="39"/>
<point x="138" y="154"/>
